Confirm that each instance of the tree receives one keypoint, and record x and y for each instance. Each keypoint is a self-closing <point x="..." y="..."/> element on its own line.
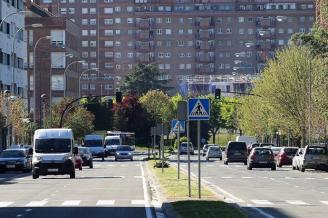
<point x="281" y="98"/>
<point x="215" y="121"/>
<point x="159" y="105"/>
<point x="142" y="79"/>
<point x="130" y="116"/>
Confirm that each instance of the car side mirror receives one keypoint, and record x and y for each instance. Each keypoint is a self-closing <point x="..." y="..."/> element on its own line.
<point x="75" y="150"/>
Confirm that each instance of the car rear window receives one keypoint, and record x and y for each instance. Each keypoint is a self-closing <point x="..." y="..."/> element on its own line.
<point x="316" y="151"/>
<point x="263" y="152"/>
<point x="240" y="146"/>
<point x="290" y="151"/>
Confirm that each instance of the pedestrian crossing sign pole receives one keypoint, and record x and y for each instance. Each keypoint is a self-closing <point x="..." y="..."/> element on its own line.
<point x="198" y="109"/>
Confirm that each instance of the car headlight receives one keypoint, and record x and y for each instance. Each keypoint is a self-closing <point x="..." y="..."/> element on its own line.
<point x="37" y="158"/>
<point x="117" y="153"/>
<point x="65" y="158"/>
<point x="130" y="153"/>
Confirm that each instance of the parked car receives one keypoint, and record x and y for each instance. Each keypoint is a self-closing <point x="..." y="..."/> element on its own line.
<point x="16" y="159"/>
<point x="184" y="148"/>
<point x="285" y="156"/>
<point x="251" y="146"/>
<point x="236" y="152"/>
<point x="86" y="156"/>
<point x="261" y="158"/>
<point x="275" y="150"/>
<point x="213" y="152"/>
<point x="296" y="162"/>
<point x="205" y="148"/>
<point x="314" y="157"/>
<point x="124" y="152"/>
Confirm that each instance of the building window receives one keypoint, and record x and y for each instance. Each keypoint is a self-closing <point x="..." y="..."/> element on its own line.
<point x="58" y="59"/>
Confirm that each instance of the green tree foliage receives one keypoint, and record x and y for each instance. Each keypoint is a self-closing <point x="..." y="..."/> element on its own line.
<point x="130" y="116"/>
<point x="281" y="98"/>
<point x="102" y="112"/>
<point x="159" y="105"/>
<point x="142" y="79"/>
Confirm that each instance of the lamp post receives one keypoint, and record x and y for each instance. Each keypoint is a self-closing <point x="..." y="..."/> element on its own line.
<point x="50" y="89"/>
<point x="34" y="73"/>
<point x="43" y="98"/>
<point x="91" y="69"/>
<point x="8" y="15"/>
<point x="35" y="25"/>
<point x="65" y="71"/>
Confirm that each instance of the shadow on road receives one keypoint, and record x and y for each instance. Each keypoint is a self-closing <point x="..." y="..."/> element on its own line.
<point x="254" y="212"/>
<point x="12" y="177"/>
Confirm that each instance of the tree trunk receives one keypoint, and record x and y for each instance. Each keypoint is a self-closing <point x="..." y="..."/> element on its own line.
<point x="303" y="137"/>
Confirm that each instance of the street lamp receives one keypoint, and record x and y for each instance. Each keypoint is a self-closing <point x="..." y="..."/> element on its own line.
<point x="8" y="15"/>
<point x="43" y="98"/>
<point x="91" y="69"/>
<point x="35" y="25"/>
<point x="281" y="18"/>
<point x="65" y="81"/>
<point x="34" y="73"/>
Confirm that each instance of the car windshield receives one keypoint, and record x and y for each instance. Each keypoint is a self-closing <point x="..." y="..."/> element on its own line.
<point x="93" y="143"/>
<point x="12" y="153"/>
<point x="215" y="149"/>
<point x="255" y="145"/>
<point x="237" y="146"/>
<point x="185" y="144"/>
<point x="52" y="145"/>
<point x="316" y="151"/>
<point x="290" y="151"/>
<point x="112" y="142"/>
<point x="83" y="151"/>
<point x="124" y="148"/>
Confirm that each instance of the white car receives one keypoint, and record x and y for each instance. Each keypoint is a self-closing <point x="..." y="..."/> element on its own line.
<point x="314" y="157"/>
<point x="184" y="148"/>
<point x="213" y="152"/>
<point x="297" y="159"/>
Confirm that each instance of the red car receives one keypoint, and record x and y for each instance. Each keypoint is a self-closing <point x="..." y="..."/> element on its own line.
<point x="78" y="162"/>
<point x="285" y="156"/>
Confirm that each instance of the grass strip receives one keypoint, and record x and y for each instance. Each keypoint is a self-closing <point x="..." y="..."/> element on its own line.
<point x="206" y="209"/>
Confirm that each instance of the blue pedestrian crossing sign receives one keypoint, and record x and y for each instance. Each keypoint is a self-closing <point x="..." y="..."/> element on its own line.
<point x="176" y="123"/>
<point x="199" y="109"/>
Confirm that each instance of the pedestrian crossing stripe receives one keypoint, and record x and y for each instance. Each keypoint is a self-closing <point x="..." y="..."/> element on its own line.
<point x="198" y="110"/>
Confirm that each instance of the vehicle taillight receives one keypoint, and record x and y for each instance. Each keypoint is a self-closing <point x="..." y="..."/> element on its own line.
<point x="253" y="157"/>
<point x="284" y="155"/>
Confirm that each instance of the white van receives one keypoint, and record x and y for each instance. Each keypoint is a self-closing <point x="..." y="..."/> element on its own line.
<point x="95" y="145"/>
<point x="111" y="143"/>
<point x="247" y="139"/>
<point x="53" y="153"/>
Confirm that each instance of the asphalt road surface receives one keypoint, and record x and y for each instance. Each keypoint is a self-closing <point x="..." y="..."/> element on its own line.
<point x="111" y="189"/>
<point x="265" y="193"/>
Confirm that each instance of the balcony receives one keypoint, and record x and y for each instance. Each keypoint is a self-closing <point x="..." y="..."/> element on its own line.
<point x="144" y="46"/>
<point x="144" y="24"/>
<point x="265" y="22"/>
<point x="265" y="34"/>
<point x="265" y="46"/>
<point x="206" y="46"/>
<point x="145" y="58"/>
<point x="205" y="22"/>
<point x="207" y="34"/>
<point x="144" y="35"/>
<point x="205" y="58"/>
<point x="206" y="69"/>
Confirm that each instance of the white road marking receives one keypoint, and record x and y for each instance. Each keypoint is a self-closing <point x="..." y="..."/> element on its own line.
<point x="149" y="214"/>
<point x="209" y="165"/>
<point x="138" y="201"/>
<point x="96" y="165"/>
<point x="246" y="177"/>
<point x="309" y="178"/>
<point x="5" y="203"/>
<point x="138" y="177"/>
<point x="123" y="165"/>
<point x="110" y="165"/>
<point x="260" y="211"/>
<point x="324" y="202"/>
<point x="226" y="177"/>
<point x="36" y="204"/>
<point x="296" y="202"/>
<point x="262" y="202"/>
<point x="105" y="202"/>
<point x="71" y="203"/>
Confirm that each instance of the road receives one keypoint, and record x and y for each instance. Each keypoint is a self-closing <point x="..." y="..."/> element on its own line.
<point x="265" y="193"/>
<point x="111" y="189"/>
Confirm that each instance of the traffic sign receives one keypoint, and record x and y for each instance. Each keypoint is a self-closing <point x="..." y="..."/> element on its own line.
<point x="176" y="123"/>
<point x="199" y="109"/>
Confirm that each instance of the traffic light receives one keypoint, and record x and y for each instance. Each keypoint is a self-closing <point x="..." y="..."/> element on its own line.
<point x="217" y="94"/>
<point x="118" y="97"/>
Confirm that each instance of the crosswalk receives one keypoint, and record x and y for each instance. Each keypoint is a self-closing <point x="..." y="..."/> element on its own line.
<point x="67" y="203"/>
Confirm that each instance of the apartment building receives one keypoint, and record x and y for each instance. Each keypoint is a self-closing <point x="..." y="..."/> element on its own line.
<point x="185" y="38"/>
<point x="13" y="76"/>
<point x="56" y="63"/>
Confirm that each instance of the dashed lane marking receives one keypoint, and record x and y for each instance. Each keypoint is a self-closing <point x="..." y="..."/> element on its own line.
<point x="137" y="202"/>
<point x="105" y="202"/>
<point x="226" y="177"/>
<point x="138" y="177"/>
<point x="324" y="202"/>
<point x="262" y="202"/>
<point x="246" y="177"/>
<point x="296" y="202"/>
<point x="71" y="203"/>
<point x="36" y="203"/>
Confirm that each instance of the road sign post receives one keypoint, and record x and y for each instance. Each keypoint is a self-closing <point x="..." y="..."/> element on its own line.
<point x="188" y="153"/>
<point x="178" y="144"/>
<point x="182" y="116"/>
<point x="198" y="109"/>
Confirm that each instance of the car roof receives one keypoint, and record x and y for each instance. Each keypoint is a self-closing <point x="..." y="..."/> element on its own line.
<point x="15" y="149"/>
<point x="53" y="133"/>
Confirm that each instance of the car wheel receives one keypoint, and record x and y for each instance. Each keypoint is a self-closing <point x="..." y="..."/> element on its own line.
<point x="220" y="158"/>
<point x="225" y="162"/>
<point x="72" y="175"/>
<point x="91" y="165"/>
<point x="249" y="167"/>
<point x="207" y="158"/>
<point x="279" y="165"/>
<point x="80" y="168"/>
<point x="302" y="169"/>
<point x="103" y="158"/>
<point x="274" y="167"/>
<point x="115" y="159"/>
<point x="294" y="168"/>
<point x="192" y="153"/>
<point x="131" y="159"/>
<point x="245" y="163"/>
<point x="35" y="176"/>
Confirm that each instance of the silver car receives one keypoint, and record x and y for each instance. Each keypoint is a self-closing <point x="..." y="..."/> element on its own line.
<point x="297" y="159"/>
<point x="213" y="152"/>
<point x="314" y="157"/>
<point x="184" y="148"/>
<point x="205" y="148"/>
<point x="123" y="152"/>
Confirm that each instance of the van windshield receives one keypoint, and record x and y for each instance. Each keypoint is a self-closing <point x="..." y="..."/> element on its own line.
<point x="237" y="146"/>
<point x="112" y="142"/>
<point x="316" y="151"/>
<point x="52" y="145"/>
<point x="93" y="143"/>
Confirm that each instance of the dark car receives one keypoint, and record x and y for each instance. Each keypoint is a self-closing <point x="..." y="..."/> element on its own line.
<point x="236" y="152"/>
<point x="15" y="159"/>
<point x="251" y="146"/>
<point x="285" y="156"/>
<point x="86" y="156"/>
<point x="261" y="158"/>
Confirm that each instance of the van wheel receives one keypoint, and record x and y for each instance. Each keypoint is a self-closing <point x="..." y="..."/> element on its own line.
<point x="35" y="176"/>
<point x="249" y="167"/>
<point x="273" y="168"/>
<point x="80" y="168"/>
<point x="220" y="158"/>
<point x="207" y="158"/>
<point x="72" y="175"/>
<point x="302" y="169"/>
<point x="294" y="168"/>
<point x="91" y="165"/>
<point x="225" y="162"/>
<point x="245" y="163"/>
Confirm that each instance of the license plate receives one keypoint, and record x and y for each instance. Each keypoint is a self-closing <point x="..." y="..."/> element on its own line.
<point x="10" y="166"/>
<point x="263" y="162"/>
<point x="237" y="153"/>
<point x="52" y="170"/>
